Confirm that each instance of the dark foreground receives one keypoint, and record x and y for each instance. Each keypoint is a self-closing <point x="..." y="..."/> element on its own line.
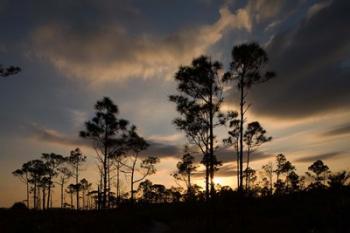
<point x="303" y="212"/>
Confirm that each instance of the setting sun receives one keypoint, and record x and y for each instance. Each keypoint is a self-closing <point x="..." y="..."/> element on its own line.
<point x="219" y="180"/>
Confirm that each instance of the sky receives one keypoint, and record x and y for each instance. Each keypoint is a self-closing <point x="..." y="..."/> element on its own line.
<point x="73" y="53"/>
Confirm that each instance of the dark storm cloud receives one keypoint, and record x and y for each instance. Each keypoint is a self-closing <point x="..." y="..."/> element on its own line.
<point x="227" y="155"/>
<point x="310" y="62"/>
<point x="42" y="134"/>
<point x="226" y="170"/>
<point x="83" y="15"/>
<point x="313" y="158"/>
<point x="340" y="130"/>
<point x="162" y="150"/>
<point x="156" y="148"/>
<point x="52" y="136"/>
<point x="113" y="50"/>
<point x="263" y="11"/>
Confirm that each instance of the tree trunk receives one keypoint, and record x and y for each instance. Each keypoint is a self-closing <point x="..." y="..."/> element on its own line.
<point x="88" y="201"/>
<point x="35" y="196"/>
<point x="271" y="185"/>
<point x="38" y="202"/>
<point x="77" y="183"/>
<point x="237" y="169"/>
<point x="325" y="179"/>
<point x="99" y="197"/>
<point x="132" y="181"/>
<point x="51" y="199"/>
<point x="44" y="195"/>
<point x="104" y="196"/>
<point x="118" y="180"/>
<point x="83" y="198"/>
<point x="48" y="193"/>
<point x="211" y="137"/>
<point x="27" y="182"/>
<point x="241" y="148"/>
<point x="109" y="183"/>
<point x="71" y="200"/>
<point x="247" y="175"/>
<point x="207" y="181"/>
<point x="62" y="197"/>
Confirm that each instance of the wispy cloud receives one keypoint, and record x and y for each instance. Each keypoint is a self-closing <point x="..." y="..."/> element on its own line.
<point x="47" y="135"/>
<point x="226" y="170"/>
<point x="315" y="8"/>
<point x="338" y="131"/>
<point x="313" y="158"/>
<point x="227" y="155"/>
<point x="43" y="134"/>
<point x="111" y="52"/>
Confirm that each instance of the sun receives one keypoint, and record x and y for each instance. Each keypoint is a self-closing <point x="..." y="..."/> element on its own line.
<point x="218" y="180"/>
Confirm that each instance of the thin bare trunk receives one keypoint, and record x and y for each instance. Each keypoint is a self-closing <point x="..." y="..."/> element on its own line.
<point x="118" y="181"/>
<point x="71" y="200"/>
<point x="62" y="197"/>
<point x="207" y="181"/>
<point x="27" y="183"/>
<point x="35" y="196"/>
<point x="51" y="199"/>
<point x="44" y="196"/>
<point x="109" y="183"/>
<point x="83" y="199"/>
<point x="77" y="183"/>
<point x="132" y="180"/>
<point x="211" y="137"/>
<point x="237" y="155"/>
<point x="48" y="193"/>
<point x="241" y="148"/>
<point x="38" y="202"/>
<point x="247" y="175"/>
<point x="104" y="197"/>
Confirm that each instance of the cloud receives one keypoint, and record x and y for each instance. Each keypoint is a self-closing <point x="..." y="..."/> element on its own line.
<point x="227" y="155"/>
<point x="307" y="59"/>
<point x="340" y="130"/>
<point x="110" y="52"/>
<point x="264" y="9"/>
<point x="227" y="170"/>
<point x="315" y="8"/>
<point x="313" y="158"/>
<point x="53" y="136"/>
<point x="164" y="149"/>
<point x="160" y="149"/>
<point x="177" y="137"/>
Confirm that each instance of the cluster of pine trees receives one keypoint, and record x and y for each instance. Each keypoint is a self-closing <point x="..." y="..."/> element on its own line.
<point x="273" y="179"/>
<point x="40" y="176"/>
<point x="199" y="100"/>
<point x="118" y="148"/>
<point x="200" y="95"/>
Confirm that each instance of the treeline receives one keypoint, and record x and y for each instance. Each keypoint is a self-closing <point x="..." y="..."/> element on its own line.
<point x="41" y="175"/>
<point x="199" y="98"/>
<point x="276" y="178"/>
<point x="117" y="147"/>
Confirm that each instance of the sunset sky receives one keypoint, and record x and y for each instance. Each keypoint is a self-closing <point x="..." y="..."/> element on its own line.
<point x="72" y="53"/>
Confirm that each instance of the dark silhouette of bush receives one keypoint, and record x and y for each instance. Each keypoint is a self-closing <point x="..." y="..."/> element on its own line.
<point x="19" y="206"/>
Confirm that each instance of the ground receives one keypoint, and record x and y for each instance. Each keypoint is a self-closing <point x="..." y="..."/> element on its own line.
<point x="310" y="212"/>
